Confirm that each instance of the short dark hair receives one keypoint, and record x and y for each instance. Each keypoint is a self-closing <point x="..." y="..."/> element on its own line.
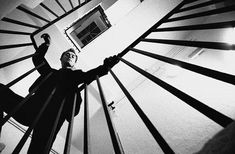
<point x="70" y="50"/>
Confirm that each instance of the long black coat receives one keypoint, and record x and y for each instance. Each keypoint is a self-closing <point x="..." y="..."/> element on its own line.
<point x="65" y="82"/>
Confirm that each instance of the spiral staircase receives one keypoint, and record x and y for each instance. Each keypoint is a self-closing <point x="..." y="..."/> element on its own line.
<point x="170" y="93"/>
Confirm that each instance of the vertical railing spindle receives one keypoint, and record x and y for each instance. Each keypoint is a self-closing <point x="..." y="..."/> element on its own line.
<point x="24" y="75"/>
<point x="214" y="115"/>
<point x="157" y="136"/>
<point x="86" y="137"/>
<point x="70" y="127"/>
<point x="198" y="69"/>
<point x="11" y="113"/>
<point x="116" y="145"/>
<point x="53" y="131"/>
<point x="27" y="133"/>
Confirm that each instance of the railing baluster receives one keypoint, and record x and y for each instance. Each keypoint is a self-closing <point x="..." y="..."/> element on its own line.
<point x="16" y="60"/>
<point x="50" y="141"/>
<point x="59" y="18"/>
<point x="17" y="126"/>
<point x="24" y="75"/>
<point x="217" y="25"/>
<point x="161" y="21"/>
<point x="11" y="113"/>
<point x="14" y="32"/>
<point x="79" y="2"/>
<point x="33" y="41"/>
<point x="157" y="136"/>
<point x="19" y="23"/>
<point x="71" y="4"/>
<point x="203" y="14"/>
<point x="211" y="2"/>
<point x="201" y="44"/>
<point x="190" y="1"/>
<point x="117" y="147"/>
<point x="48" y="9"/>
<point x="214" y="115"/>
<point x="27" y="133"/>
<point x="86" y="137"/>
<point x="198" y="69"/>
<point x="15" y="45"/>
<point x="32" y="13"/>
<point x="57" y="1"/>
<point x="70" y="128"/>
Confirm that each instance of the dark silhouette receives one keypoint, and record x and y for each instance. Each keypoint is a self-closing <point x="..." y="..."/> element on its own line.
<point x="65" y="81"/>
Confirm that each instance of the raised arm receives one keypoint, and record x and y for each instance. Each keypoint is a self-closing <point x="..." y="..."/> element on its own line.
<point x="40" y="57"/>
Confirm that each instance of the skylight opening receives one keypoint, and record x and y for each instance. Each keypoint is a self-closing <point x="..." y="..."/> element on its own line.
<point x="89" y="27"/>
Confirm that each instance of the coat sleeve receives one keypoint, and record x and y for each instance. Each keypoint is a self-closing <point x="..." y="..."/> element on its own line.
<point x="83" y="77"/>
<point x="90" y="75"/>
<point x="40" y="57"/>
<point x="37" y="60"/>
<point x="69" y="106"/>
<point x="100" y="71"/>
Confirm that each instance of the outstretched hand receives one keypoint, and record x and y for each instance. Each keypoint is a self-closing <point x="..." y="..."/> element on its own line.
<point x="46" y="38"/>
<point x="111" y="61"/>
